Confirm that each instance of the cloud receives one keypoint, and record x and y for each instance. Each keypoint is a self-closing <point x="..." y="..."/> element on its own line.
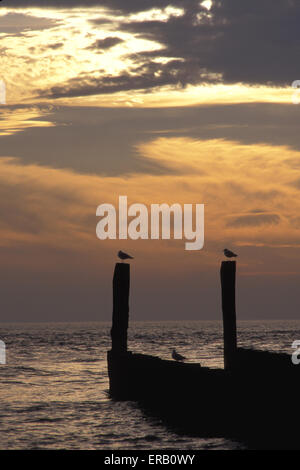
<point x="128" y="6"/>
<point x="296" y="183"/>
<point x="14" y="119"/>
<point x="146" y="76"/>
<point x="295" y="221"/>
<point x="107" y="137"/>
<point x="253" y="42"/>
<point x="250" y="42"/>
<point x="47" y="229"/>
<point x="17" y="23"/>
<point x="106" y="43"/>
<point x="100" y="21"/>
<point x="55" y="208"/>
<point x="251" y="220"/>
<point x="56" y="45"/>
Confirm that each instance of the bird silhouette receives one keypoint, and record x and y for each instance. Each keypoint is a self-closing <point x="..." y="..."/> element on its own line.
<point x="123" y="255"/>
<point x="229" y="254"/>
<point x="177" y="356"/>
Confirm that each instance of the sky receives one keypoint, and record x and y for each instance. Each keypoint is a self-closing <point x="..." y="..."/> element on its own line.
<point x="165" y="102"/>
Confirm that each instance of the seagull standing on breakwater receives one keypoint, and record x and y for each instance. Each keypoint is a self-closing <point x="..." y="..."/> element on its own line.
<point x="177" y="356"/>
<point x="229" y="254"/>
<point x="123" y="256"/>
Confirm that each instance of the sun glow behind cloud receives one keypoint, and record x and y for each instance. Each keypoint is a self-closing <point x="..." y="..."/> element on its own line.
<point x="47" y="205"/>
<point x="207" y="4"/>
<point x="30" y="69"/>
<point x="157" y="14"/>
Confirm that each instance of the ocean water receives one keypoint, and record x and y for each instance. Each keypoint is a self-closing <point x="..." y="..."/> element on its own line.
<point x="54" y="387"/>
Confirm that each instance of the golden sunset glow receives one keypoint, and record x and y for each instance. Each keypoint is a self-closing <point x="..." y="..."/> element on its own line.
<point x="28" y="69"/>
<point x="149" y="227"/>
<point x="245" y="203"/>
<point x="150" y="104"/>
<point x="15" y="120"/>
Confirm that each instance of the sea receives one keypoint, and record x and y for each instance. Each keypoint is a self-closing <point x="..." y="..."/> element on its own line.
<point x="54" y="385"/>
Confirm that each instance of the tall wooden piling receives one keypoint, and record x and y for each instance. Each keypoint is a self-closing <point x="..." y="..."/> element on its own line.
<point x="228" y="271"/>
<point x="121" y="283"/>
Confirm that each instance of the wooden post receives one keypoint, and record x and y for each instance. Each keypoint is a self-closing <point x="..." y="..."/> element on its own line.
<point x="121" y="282"/>
<point x="228" y="270"/>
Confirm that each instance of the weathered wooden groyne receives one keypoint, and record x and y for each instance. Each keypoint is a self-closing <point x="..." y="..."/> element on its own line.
<point x="253" y="399"/>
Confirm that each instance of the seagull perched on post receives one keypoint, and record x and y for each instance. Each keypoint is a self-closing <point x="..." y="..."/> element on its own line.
<point x="177" y="356"/>
<point x="229" y="254"/>
<point x="123" y="255"/>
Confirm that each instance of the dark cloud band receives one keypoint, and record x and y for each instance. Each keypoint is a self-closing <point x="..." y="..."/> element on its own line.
<point x="124" y="5"/>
